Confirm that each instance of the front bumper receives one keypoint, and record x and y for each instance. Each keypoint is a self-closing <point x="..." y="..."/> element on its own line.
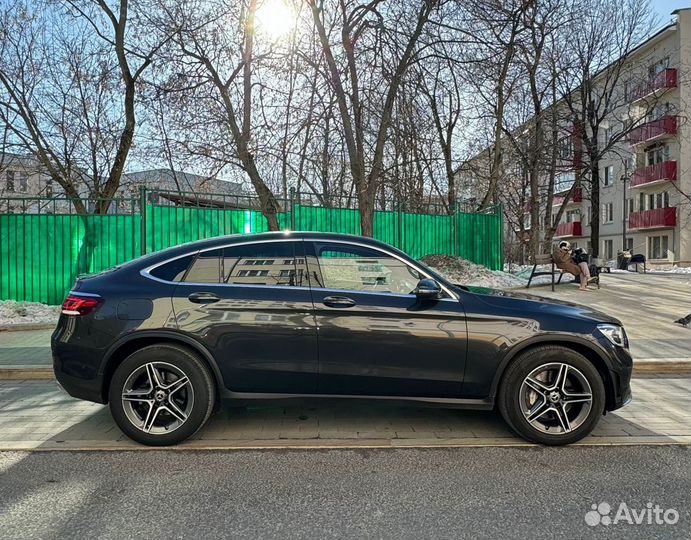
<point x="621" y="368"/>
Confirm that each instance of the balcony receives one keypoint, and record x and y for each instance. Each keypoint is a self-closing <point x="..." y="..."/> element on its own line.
<point x="662" y="81"/>
<point x="569" y="229"/>
<point x="654" y="174"/>
<point x="658" y="218"/>
<point x="662" y="127"/>
<point x="577" y="197"/>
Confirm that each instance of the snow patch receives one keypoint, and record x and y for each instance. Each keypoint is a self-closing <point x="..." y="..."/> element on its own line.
<point x="13" y="312"/>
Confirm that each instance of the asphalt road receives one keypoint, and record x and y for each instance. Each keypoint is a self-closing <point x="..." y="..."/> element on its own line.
<point x="449" y="493"/>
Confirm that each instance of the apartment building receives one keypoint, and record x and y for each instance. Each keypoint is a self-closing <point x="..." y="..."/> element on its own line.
<point x="645" y="183"/>
<point x="645" y="180"/>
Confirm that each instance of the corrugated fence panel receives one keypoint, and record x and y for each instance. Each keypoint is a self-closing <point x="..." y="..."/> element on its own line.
<point x="42" y="254"/>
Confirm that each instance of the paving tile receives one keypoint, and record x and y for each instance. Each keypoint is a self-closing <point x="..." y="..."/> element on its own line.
<point x="36" y="414"/>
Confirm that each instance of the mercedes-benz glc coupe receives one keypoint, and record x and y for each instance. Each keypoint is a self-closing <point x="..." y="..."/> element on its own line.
<point x="165" y="338"/>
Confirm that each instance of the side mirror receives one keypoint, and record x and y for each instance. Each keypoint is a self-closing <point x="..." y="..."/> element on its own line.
<point x="427" y="288"/>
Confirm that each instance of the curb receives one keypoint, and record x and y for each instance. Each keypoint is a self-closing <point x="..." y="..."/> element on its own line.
<point x="646" y="366"/>
<point x="23" y="327"/>
<point x="326" y="444"/>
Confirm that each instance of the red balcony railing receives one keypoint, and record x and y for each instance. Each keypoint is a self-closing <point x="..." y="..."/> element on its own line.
<point x="653" y="219"/>
<point x="569" y="229"/>
<point x="664" y="79"/>
<point x="577" y="197"/>
<point x="667" y="125"/>
<point x="660" y="172"/>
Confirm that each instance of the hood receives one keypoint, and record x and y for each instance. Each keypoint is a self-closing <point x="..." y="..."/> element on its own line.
<point x="522" y="302"/>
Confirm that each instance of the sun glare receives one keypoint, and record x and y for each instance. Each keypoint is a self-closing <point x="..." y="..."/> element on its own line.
<point x="274" y="18"/>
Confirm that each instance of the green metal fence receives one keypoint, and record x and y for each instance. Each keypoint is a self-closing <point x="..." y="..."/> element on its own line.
<point x="44" y="245"/>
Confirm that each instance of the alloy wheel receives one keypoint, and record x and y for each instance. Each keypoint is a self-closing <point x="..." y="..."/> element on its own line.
<point x="157" y="398"/>
<point x="556" y="398"/>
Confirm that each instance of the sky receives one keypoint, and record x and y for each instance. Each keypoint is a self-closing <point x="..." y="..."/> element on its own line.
<point x="664" y="8"/>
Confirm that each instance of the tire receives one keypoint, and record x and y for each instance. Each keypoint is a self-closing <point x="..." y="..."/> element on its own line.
<point x="532" y="408"/>
<point x="174" y="407"/>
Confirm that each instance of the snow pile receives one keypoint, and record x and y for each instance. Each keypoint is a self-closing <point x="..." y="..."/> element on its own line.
<point x="12" y="312"/>
<point x="464" y="272"/>
<point x="673" y="269"/>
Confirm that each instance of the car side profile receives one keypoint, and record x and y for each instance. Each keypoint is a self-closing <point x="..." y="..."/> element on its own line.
<point x="165" y="338"/>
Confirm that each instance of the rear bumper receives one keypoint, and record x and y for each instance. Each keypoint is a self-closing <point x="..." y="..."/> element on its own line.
<point x="76" y="367"/>
<point x="88" y="389"/>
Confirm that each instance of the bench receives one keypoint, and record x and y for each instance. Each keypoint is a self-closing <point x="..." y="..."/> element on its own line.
<point x="542" y="259"/>
<point x="638" y="259"/>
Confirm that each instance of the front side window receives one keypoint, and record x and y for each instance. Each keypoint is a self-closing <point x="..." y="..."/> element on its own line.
<point x="270" y="263"/>
<point x="356" y="268"/>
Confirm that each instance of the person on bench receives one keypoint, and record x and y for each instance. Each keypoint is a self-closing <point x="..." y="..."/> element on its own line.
<point x="563" y="260"/>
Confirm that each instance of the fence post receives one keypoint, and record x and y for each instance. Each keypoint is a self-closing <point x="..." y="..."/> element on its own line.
<point x="292" y="208"/>
<point x="142" y="221"/>
<point x="400" y="225"/>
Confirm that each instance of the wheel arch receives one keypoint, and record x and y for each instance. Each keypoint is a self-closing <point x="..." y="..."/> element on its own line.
<point x="583" y="347"/>
<point x="125" y="346"/>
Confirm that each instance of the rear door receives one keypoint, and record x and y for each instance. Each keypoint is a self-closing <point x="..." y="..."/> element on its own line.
<point x="375" y="336"/>
<point x="251" y="306"/>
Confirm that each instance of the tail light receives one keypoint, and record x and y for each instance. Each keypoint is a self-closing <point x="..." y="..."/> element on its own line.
<point x="80" y="305"/>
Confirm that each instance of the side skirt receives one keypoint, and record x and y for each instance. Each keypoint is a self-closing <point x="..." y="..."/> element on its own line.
<point x="452" y="403"/>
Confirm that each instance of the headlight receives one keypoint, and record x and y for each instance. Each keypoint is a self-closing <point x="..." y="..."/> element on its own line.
<point x="614" y="333"/>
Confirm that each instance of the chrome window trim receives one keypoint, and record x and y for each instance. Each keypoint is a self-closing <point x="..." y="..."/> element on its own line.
<point x="146" y="272"/>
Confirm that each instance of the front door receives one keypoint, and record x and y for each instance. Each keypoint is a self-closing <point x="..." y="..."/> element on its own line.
<point x="251" y="306"/>
<point x="375" y="336"/>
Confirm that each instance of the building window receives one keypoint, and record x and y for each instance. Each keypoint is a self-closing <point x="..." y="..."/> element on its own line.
<point x="608" y="176"/>
<point x="607" y="135"/>
<point x="641" y="202"/>
<point x="23" y="182"/>
<point x="564" y="181"/>
<point x="609" y="249"/>
<point x="628" y="245"/>
<point x="49" y="187"/>
<point x="573" y="216"/>
<point x="9" y="186"/>
<point x="658" y="200"/>
<point x="628" y="208"/>
<point x="658" y="67"/>
<point x="565" y="147"/>
<point x="658" y="247"/>
<point x="608" y="212"/>
<point x="657" y="154"/>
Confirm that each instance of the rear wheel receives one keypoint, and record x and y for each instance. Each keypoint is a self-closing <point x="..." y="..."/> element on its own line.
<point x="161" y="395"/>
<point x="552" y="395"/>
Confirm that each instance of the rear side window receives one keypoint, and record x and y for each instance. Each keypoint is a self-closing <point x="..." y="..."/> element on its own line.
<point x="173" y="270"/>
<point x="270" y="263"/>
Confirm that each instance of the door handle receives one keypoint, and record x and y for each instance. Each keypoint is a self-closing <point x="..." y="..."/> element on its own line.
<point x="203" y="298"/>
<point x="338" y="301"/>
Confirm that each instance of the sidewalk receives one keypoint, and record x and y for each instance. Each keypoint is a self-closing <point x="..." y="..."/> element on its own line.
<point x="36" y="415"/>
<point x="647" y="304"/>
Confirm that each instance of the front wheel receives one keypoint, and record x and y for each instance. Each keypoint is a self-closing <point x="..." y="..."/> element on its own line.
<point x="552" y="395"/>
<point x="161" y="395"/>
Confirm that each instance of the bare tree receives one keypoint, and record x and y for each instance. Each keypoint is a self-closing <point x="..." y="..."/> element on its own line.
<point x="597" y="74"/>
<point x="72" y="94"/>
<point x="374" y="56"/>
